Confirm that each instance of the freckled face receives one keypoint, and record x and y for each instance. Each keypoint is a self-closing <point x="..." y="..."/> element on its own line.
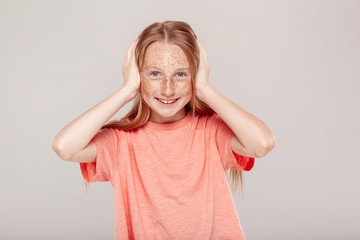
<point x="165" y="82"/>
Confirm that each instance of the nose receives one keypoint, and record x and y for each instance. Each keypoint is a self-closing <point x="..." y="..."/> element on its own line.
<point x="168" y="88"/>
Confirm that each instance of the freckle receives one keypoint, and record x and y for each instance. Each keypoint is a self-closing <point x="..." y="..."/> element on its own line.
<point x="167" y="56"/>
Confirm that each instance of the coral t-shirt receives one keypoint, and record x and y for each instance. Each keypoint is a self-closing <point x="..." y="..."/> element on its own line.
<point x="170" y="179"/>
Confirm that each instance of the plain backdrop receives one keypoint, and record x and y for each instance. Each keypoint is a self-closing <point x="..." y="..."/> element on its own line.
<point x="293" y="64"/>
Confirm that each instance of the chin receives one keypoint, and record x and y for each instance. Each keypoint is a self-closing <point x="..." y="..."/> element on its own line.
<point x="171" y="114"/>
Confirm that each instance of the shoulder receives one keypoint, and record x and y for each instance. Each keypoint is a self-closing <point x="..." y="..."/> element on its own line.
<point x="204" y="117"/>
<point x="212" y="119"/>
<point x="123" y="120"/>
<point x="207" y="121"/>
<point x="117" y="125"/>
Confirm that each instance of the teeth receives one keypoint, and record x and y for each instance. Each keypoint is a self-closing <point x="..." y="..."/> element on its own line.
<point x="165" y="101"/>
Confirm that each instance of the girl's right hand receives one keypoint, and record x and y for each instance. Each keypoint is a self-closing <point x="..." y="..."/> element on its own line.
<point x="131" y="73"/>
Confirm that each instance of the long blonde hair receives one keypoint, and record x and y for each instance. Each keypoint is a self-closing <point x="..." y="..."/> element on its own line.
<point x="181" y="34"/>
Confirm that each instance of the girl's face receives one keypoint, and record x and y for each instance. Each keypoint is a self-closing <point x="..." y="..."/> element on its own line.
<point x="165" y="82"/>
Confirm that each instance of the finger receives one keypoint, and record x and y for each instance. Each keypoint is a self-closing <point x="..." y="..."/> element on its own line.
<point x="203" y="54"/>
<point x="203" y="51"/>
<point x="131" y="47"/>
<point x="128" y="52"/>
<point x="201" y="48"/>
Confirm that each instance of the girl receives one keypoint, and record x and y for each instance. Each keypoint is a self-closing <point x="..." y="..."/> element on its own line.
<point x="167" y="158"/>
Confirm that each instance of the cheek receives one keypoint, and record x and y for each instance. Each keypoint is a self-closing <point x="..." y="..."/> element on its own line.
<point x="185" y="88"/>
<point x="146" y="87"/>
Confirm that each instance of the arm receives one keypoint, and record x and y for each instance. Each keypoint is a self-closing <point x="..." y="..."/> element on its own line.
<point x="252" y="137"/>
<point x="72" y="142"/>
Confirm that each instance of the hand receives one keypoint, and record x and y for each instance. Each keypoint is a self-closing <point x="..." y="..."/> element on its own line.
<point x="202" y="78"/>
<point x="130" y="70"/>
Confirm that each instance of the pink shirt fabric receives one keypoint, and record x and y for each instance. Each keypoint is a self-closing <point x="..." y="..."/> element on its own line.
<point x="170" y="179"/>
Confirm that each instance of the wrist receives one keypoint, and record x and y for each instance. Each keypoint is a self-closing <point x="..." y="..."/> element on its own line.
<point x="129" y="92"/>
<point x="202" y="92"/>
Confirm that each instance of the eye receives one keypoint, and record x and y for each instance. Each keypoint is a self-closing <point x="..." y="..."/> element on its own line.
<point x="181" y="74"/>
<point x="154" y="74"/>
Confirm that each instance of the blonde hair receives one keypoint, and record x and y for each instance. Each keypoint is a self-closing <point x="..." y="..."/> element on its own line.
<point x="182" y="35"/>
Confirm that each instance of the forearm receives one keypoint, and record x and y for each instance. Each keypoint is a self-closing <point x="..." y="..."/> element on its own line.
<point x="251" y="132"/>
<point x="76" y="135"/>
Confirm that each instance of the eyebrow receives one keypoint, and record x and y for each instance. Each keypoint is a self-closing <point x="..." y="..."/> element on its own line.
<point x="158" y="68"/>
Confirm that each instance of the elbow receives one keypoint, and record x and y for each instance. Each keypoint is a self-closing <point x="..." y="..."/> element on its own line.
<point x="60" y="150"/>
<point x="265" y="147"/>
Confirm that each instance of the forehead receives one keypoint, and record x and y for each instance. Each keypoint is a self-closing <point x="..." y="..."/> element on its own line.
<point x="165" y="55"/>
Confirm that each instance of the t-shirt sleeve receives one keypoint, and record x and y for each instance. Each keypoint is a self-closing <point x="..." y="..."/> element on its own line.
<point x="229" y="158"/>
<point x="107" y="145"/>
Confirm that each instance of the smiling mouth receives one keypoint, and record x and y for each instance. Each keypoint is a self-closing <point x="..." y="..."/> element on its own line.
<point x="164" y="101"/>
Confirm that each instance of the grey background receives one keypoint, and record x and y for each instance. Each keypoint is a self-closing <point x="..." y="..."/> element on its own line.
<point x="293" y="64"/>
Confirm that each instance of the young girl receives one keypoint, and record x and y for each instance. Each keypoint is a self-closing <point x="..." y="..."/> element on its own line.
<point x="167" y="158"/>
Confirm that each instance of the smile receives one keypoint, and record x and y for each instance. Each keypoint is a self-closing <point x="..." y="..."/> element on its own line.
<point x="164" y="101"/>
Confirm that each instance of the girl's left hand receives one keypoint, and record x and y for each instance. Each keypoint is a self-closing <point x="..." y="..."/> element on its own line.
<point x="202" y="78"/>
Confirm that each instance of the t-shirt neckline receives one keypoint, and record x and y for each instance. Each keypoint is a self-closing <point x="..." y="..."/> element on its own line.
<point x="168" y="126"/>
